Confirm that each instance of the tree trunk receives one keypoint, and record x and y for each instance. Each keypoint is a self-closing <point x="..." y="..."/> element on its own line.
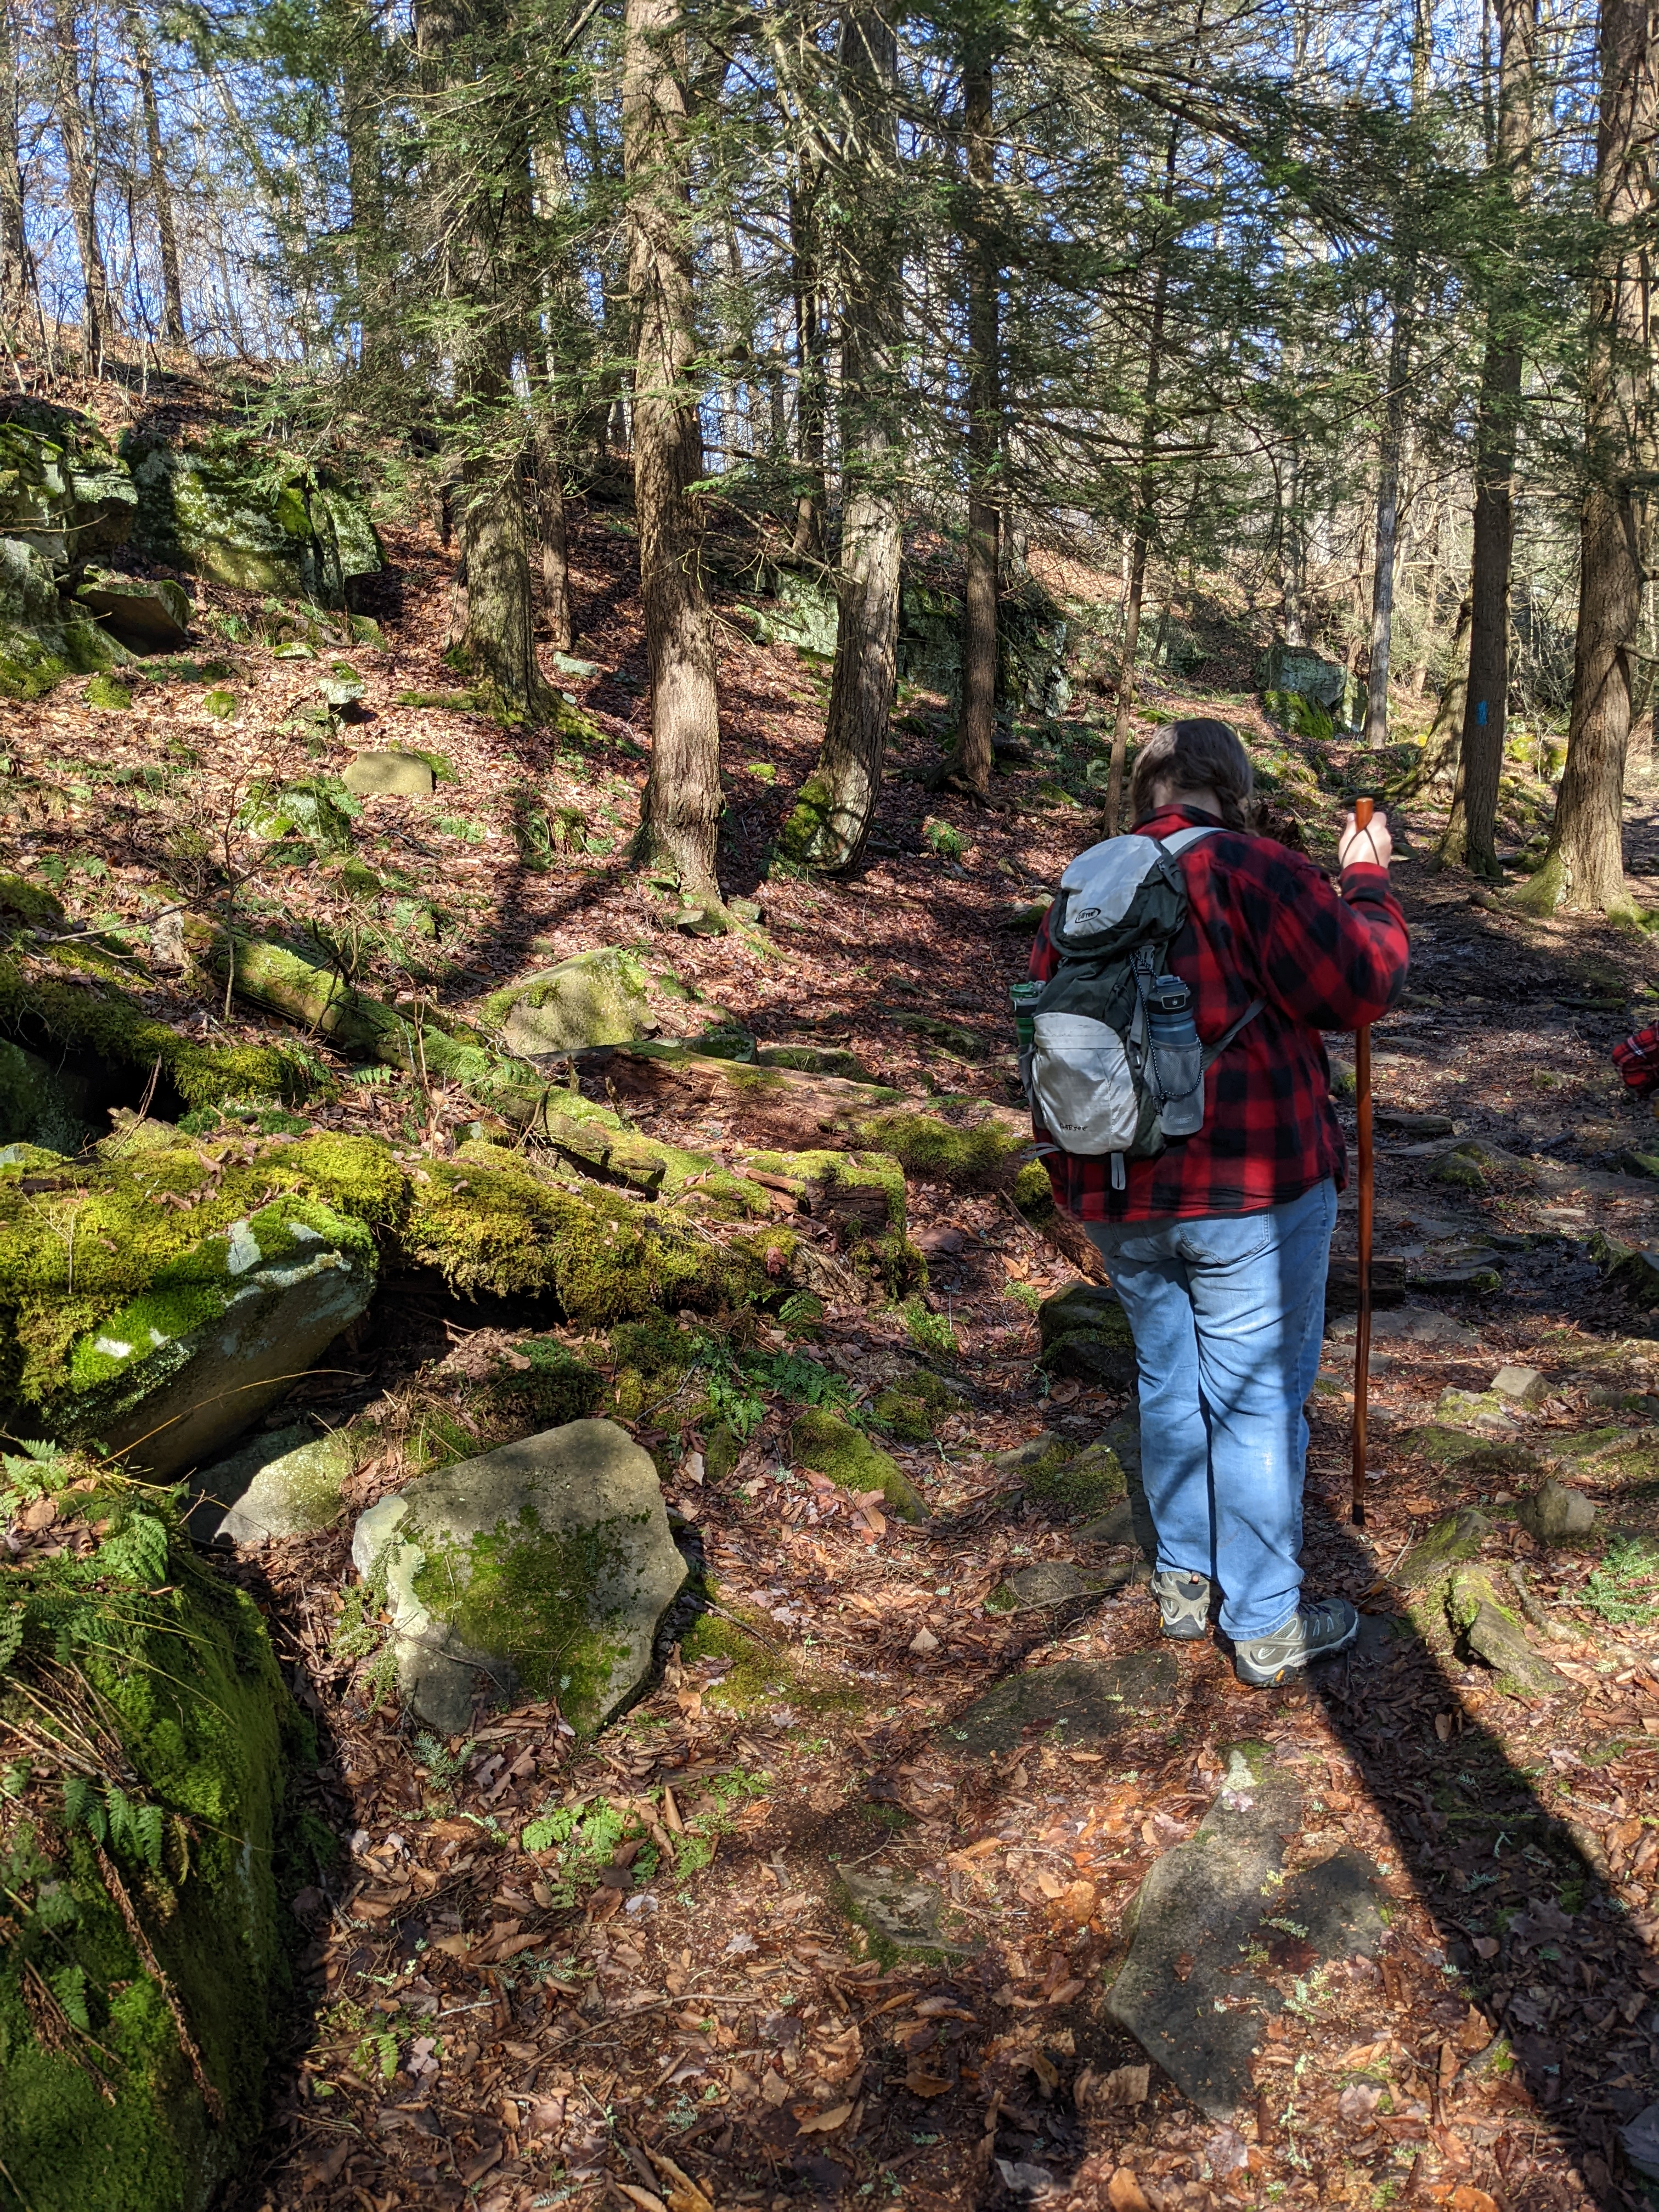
<point x="682" y="803"/>
<point x="1393" y="430"/>
<point x="1387" y="518"/>
<point x="78" y="160"/>
<point x="1146" y="520"/>
<point x="160" y="192"/>
<point x="556" y="568"/>
<point x="16" y="276"/>
<point x="812" y="362"/>
<point x="1419" y="671"/>
<point x="1486" y="709"/>
<point x="971" y="767"/>
<point x="836" y="803"/>
<point x="483" y="187"/>
<point x="1584" y="864"/>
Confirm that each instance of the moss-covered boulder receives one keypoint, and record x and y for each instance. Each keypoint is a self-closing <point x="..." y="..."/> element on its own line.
<point x="544" y="1568"/>
<point x="43" y="638"/>
<point x="145" y="1835"/>
<point x="391" y="774"/>
<point x="912" y="1407"/>
<point x="823" y="1441"/>
<point x="1086" y="1338"/>
<point x="235" y="509"/>
<point x="1308" y="676"/>
<point x="1495" y="1636"/>
<point x="64" y="493"/>
<point x="597" y="998"/>
<point x="149" y="613"/>
<point x="216" y="1333"/>
<point x="1456" y="1536"/>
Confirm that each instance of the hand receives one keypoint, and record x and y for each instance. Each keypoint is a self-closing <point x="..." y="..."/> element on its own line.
<point x="1371" y="844"/>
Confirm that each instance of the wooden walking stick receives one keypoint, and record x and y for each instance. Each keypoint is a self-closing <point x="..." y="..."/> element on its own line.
<point x="1362" y="1353"/>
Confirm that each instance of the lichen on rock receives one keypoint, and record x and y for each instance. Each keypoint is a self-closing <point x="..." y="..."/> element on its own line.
<point x="597" y="998"/>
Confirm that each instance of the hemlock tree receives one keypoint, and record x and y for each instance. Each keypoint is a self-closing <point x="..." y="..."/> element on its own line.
<point x="1470" y="834"/>
<point x="1583" y="865"/>
<point x="680" y="813"/>
<point x="836" y="805"/>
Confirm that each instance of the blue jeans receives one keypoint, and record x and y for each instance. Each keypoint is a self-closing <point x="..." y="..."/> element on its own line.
<point x="1228" y="1312"/>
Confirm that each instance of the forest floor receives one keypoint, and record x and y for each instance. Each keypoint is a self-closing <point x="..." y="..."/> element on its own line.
<point x="484" y="2022"/>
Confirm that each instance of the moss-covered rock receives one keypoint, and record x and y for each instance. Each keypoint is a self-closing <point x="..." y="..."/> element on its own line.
<point x="1496" y="1637"/>
<point x="144" y="1961"/>
<point x="237" y="509"/>
<point x="42" y="639"/>
<point x="106" y="1028"/>
<point x="149" y="613"/>
<point x="597" y="998"/>
<point x="1086" y="1337"/>
<point x="544" y="1567"/>
<point x="1456" y="1536"/>
<point x="1085" y="1484"/>
<point x="822" y="1440"/>
<point x="64" y="493"/>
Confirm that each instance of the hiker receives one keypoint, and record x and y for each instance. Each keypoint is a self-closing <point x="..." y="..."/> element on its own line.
<point x="1216" y="1240"/>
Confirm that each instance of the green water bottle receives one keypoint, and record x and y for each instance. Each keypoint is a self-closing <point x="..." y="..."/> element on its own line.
<point x="1025" y="996"/>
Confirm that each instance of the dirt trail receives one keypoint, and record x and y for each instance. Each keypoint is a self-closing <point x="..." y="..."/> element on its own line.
<point x="664" y="1992"/>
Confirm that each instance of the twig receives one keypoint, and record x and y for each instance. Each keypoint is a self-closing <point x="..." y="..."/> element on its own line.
<point x="155" y="1969"/>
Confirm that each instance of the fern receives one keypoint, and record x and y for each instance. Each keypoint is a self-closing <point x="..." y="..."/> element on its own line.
<point x="138" y="1550"/>
<point x="149" y="1826"/>
<point x="12" y="1620"/>
<point x="68" y="1986"/>
<point x="83" y="1807"/>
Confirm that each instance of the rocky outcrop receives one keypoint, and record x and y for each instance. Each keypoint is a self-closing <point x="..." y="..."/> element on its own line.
<point x="1289" y="672"/>
<point x="542" y="1568"/>
<point x="234" y="509"/>
<point x="42" y="638"/>
<point x="64" y="493"/>
<point x="143" y="1957"/>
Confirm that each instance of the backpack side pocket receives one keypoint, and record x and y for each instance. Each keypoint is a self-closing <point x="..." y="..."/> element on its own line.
<point x="1082" y="1085"/>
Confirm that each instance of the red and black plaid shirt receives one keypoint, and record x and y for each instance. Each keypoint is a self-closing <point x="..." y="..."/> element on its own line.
<point x="1262" y="923"/>
<point x="1638" y="1059"/>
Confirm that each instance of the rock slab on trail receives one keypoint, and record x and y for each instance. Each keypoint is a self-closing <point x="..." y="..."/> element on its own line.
<point x="1083" y="1702"/>
<point x="544" y="1567"/>
<point x="1210" y="1900"/>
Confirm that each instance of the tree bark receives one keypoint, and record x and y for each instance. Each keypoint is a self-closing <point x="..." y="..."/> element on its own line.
<point x="1487" y="707"/>
<point x="160" y="192"/>
<point x="16" y="264"/>
<point x="1401" y="338"/>
<point x="78" y="160"/>
<point x="971" y="766"/>
<point x="682" y="805"/>
<point x="1146" y="520"/>
<point x="556" y="565"/>
<point x="836" y="803"/>
<point x="812" y="362"/>
<point x="1583" y="866"/>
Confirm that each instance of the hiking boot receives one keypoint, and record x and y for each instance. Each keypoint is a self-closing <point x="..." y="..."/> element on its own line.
<point x="1315" y="1632"/>
<point x="1184" y="1602"/>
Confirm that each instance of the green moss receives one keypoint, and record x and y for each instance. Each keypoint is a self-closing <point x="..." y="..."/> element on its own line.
<point x="758" y="1674"/>
<point x="722" y="1448"/>
<point x="907" y="1418"/>
<point x="656" y="1346"/>
<point x="926" y="1145"/>
<point x="22" y="901"/>
<point x="221" y="705"/>
<point x="1085" y="1484"/>
<point x="109" y="1025"/>
<point x="103" y="692"/>
<point x="527" y="1593"/>
<point x="822" y="1440"/>
<point x="1303" y="717"/>
<point x="186" y="1684"/>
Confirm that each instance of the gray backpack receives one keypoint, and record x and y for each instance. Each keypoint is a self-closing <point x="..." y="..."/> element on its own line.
<point x="1098" y="1074"/>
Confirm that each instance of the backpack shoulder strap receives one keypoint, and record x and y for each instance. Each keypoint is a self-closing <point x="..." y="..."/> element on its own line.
<point x="1184" y="839"/>
<point x="1214" y="1051"/>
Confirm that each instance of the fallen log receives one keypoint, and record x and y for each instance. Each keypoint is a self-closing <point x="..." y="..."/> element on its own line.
<point x="968" y="1141"/>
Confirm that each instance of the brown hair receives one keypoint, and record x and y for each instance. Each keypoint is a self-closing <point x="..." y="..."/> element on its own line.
<point x="1191" y="756"/>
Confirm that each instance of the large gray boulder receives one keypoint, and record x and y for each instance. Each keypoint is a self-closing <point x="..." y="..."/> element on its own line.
<point x="44" y="639"/>
<point x="543" y="1567"/>
<point x="597" y="998"/>
<point x="63" y="491"/>
<point x="1296" y="668"/>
